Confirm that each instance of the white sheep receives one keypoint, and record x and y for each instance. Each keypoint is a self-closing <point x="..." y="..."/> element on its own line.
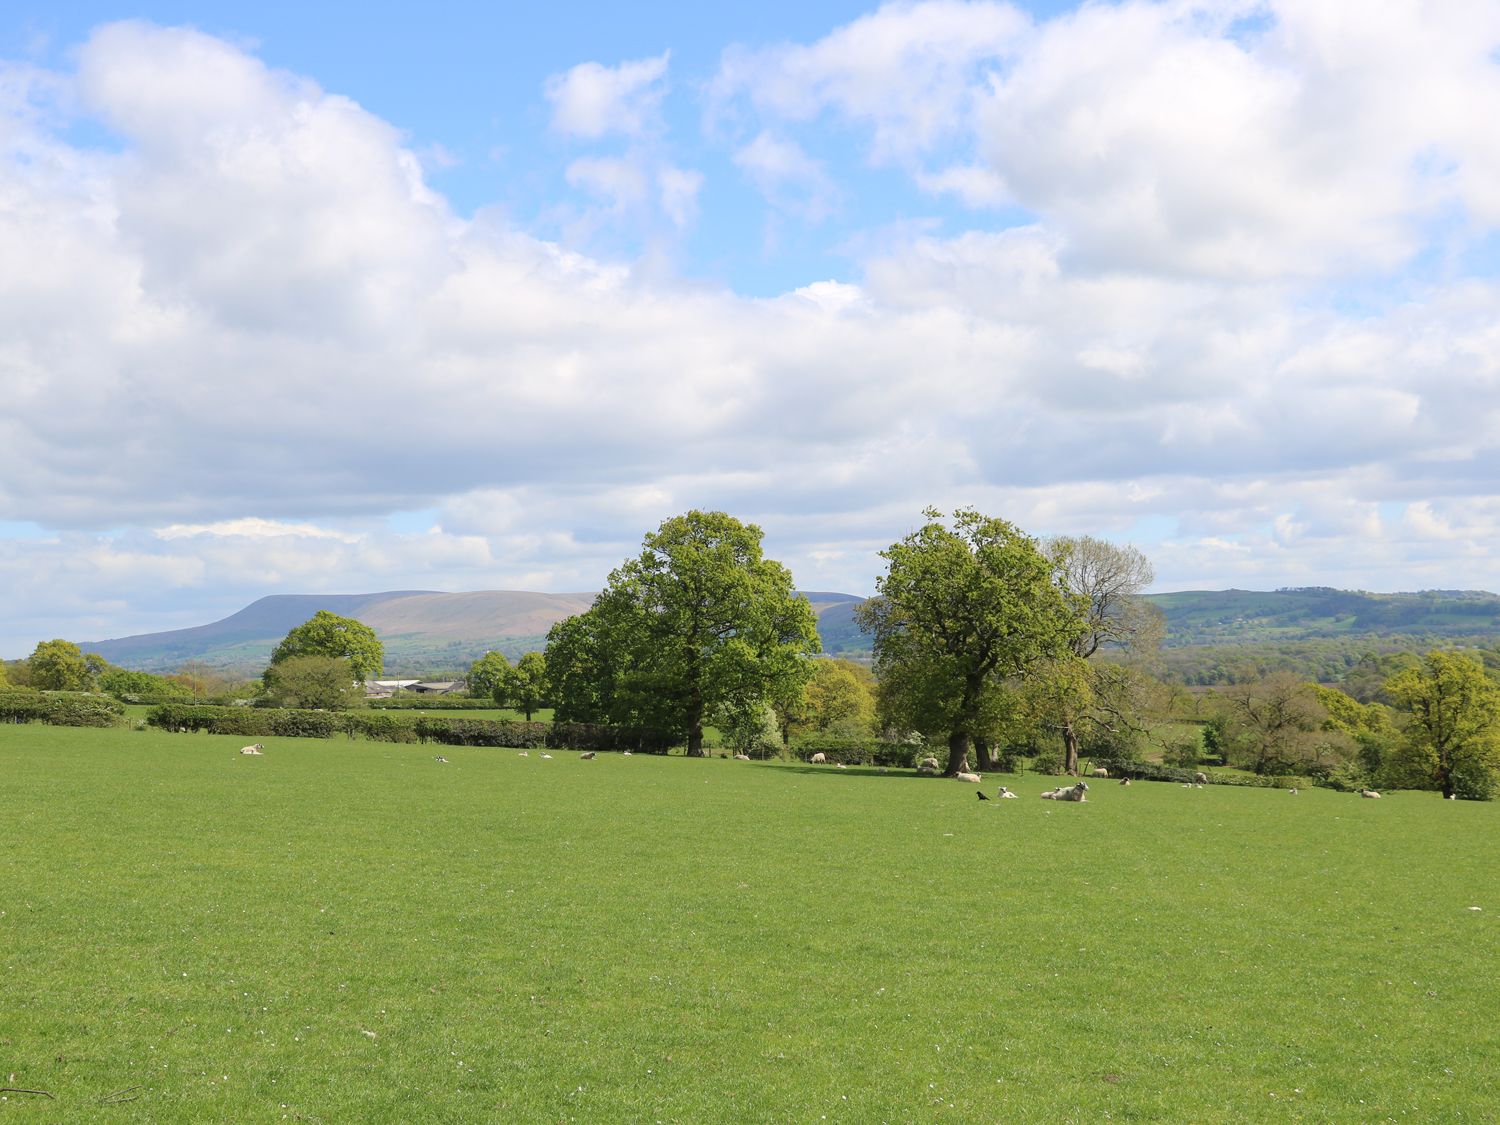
<point x="971" y="778"/>
<point x="1124" y="781"/>
<point x="928" y="763"/>
<point x="1293" y="792"/>
<point x="1370" y="793"/>
<point x="547" y="756"/>
<point x="255" y="749"/>
<point x="742" y="757"/>
<point x="1451" y="797"/>
<point x="587" y="754"/>
<point x="818" y="759"/>
<point x="1006" y="793"/>
<point x="627" y="753"/>
<point x="524" y="754"/>
<point x="839" y="766"/>
<point x="1201" y="778"/>
<point x="1100" y="772"/>
<point x="1068" y="793"/>
<point x="440" y="758"/>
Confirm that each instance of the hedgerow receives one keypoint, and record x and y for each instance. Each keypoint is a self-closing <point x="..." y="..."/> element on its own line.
<point x="59" y="708"/>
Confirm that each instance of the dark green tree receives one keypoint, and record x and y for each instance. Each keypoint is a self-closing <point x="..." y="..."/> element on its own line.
<point x="487" y="674"/>
<point x="960" y="610"/>
<point x="699" y="623"/>
<point x="524" y="687"/>
<point x="1453" y="723"/>
<point x="324" y="682"/>
<point x="328" y="634"/>
<point x="58" y="665"/>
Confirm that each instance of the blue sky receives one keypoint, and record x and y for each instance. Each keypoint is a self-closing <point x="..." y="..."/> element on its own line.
<point x="364" y="297"/>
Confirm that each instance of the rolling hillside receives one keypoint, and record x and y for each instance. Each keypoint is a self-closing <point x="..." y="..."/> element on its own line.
<point x="425" y="632"/>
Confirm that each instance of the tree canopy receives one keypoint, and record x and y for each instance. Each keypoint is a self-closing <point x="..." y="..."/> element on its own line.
<point x="313" y="680"/>
<point x="1453" y="726"/>
<point x="59" y="665"/>
<point x="328" y="634"/>
<point x="524" y="687"/>
<point x="487" y="674"/>
<point x="700" y="623"/>
<point x="959" y="610"/>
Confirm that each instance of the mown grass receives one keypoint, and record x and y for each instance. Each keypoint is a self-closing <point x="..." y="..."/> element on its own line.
<point x="345" y="931"/>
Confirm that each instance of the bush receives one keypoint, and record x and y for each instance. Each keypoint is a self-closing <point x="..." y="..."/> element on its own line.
<point x="858" y="751"/>
<point x="59" y="708"/>
<point x="1184" y="753"/>
<point x="1048" y="761"/>
<point x="1474" y="781"/>
<point x="432" y="703"/>
<point x="381" y="728"/>
<point x="480" y="732"/>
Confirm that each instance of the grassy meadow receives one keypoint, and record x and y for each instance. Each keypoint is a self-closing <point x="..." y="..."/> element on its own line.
<point x="343" y="931"/>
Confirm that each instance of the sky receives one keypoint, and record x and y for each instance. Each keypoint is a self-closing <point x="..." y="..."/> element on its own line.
<point x="344" y="298"/>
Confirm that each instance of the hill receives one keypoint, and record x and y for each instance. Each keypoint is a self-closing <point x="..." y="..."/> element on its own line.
<point x="426" y="631"/>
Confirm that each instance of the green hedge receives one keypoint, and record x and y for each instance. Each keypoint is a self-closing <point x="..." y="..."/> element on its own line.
<point x="433" y="703"/>
<point x="858" y="751"/>
<point x="1150" y="771"/>
<point x="59" y="708"/>
<point x="444" y="729"/>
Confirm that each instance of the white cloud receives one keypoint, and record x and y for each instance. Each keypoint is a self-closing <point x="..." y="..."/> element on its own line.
<point x="592" y="100"/>
<point x="788" y="177"/>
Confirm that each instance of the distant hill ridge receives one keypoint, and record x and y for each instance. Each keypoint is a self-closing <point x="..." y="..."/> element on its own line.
<point x="426" y="631"/>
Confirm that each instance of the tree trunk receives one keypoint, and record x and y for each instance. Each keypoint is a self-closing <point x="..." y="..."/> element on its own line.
<point x="958" y="753"/>
<point x="984" y="760"/>
<point x="695" y="740"/>
<point x="1070" y="750"/>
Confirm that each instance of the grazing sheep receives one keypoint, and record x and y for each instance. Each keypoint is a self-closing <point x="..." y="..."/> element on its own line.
<point x="742" y="757"/>
<point x="1100" y="772"/>
<point x="587" y="754"/>
<point x="1201" y="778"/>
<point x="971" y="778"/>
<point x="1006" y="793"/>
<point x="1124" y="781"/>
<point x="256" y="749"/>
<point x="1369" y="793"/>
<point x="818" y="759"/>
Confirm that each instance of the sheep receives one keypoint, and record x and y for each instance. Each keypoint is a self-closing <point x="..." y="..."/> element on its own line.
<point x="1369" y="793"/>
<point x="547" y="756"/>
<point x="1293" y="792"/>
<point x="255" y="749"/>
<point x="1201" y="778"/>
<point x="818" y="759"/>
<point x="1100" y="772"/>
<point x="627" y="753"/>
<point x="1124" y="781"/>
<point x="1068" y="793"/>
<point x="742" y="757"/>
<point x="971" y="778"/>
<point x="1007" y="794"/>
<point x="587" y="754"/>
<point x="839" y="766"/>
<point x="928" y="763"/>
<point x="1451" y="797"/>
<point x="440" y="758"/>
<point x="524" y="754"/>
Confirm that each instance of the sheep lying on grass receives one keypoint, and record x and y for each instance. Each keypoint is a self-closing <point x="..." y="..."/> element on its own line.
<point x="1124" y="781"/>
<point x="742" y="757"/>
<point x="587" y="754"/>
<point x="1369" y="793"/>
<point x="1005" y="793"/>
<point x="1068" y="793"/>
<point x="971" y="778"/>
<point x="256" y="749"/>
<point x="928" y="765"/>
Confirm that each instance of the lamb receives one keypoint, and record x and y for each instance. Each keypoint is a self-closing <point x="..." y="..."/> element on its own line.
<point x="1006" y="793"/>
<point x="971" y="778"/>
<point x="1451" y="797"/>
<point x="1124" y="781"/>
<point x="587" y="754"/>
<point x="1100" y="772"/>
<point x="627" y="753"/>
<point x="742" y="757"/>
<point x="547" y="756"/>
<point x="524" y="754"/>
<point x="1293" y="792"/>
<point x="818" y="759"/>
<point x="1201" y="778"/>
<point x="839" y="766"/>
<point x="255" y="749"/>
<point x="1369" y="793"/>
<point x="440" y="758"/>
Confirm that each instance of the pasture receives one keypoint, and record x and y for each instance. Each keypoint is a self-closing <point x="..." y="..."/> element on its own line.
<point x="346" y="931"/>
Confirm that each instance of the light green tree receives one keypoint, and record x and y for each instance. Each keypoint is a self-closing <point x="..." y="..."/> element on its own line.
<point x="959" y="610"/>
<point x="328" y="634"/>
<point x="316" y="681"/>
<point x="1452" y="736"/>
<point x="838" y="699"/>
<point x="524" y="687"/>
<point x="487" y="674"/>
<point x="58" y="665"/>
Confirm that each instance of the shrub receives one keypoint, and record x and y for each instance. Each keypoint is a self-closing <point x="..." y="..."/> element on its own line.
<point x="59" y="708"/>
<point x="1183" y="752"/>
<point x="858" y="751"/>
<point x="381" y="728"/>
<point x="1474" y="781"/>
<point x="480" y="732"/>
<point x="432" y="703"/>
<point x="1048" y="761"/>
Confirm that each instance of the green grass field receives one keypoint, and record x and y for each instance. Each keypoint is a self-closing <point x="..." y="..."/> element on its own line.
<point x="353" y="932"/>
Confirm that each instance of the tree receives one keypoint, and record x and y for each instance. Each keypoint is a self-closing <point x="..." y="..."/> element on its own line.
<point x="487" y="674"/>
<point x="1453" y="729"/>
<point x="700" y="623"/>
<point x="1278" y="724"/>
<point x="328" y="634"/>
<point x="959" y="610"/>
<point x="121" y="682"/>
<point x="323" y="682"/>
<point x="58" y="665"/>
<point x="838" y="699"/>
<point x="524" y="687"/>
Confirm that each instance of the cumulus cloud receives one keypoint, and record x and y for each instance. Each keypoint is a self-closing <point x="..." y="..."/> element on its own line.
<point x="239" y="339"/>
<point x="591" y="100"/>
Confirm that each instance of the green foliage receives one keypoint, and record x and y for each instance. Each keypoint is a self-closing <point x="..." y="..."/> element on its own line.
<point x="839" y="698"/>
<point x="487" y="675"/>
<point x="58" y="665"/>
<point x="858" y="751"/>
<point x="61" y="708"/>
<point x="420" y="702"/>
<point x="959" y="610"/>
<point x="755" y="731"/>
<point x="700" y="623"/>
<point x="135" y="687"/>
<point x="524" y="687"/>
<point x="1453" y="720"/>
<point x="313" y="681"/>
<point x="328" y="634"/>
<point x="1183" y="752"/>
